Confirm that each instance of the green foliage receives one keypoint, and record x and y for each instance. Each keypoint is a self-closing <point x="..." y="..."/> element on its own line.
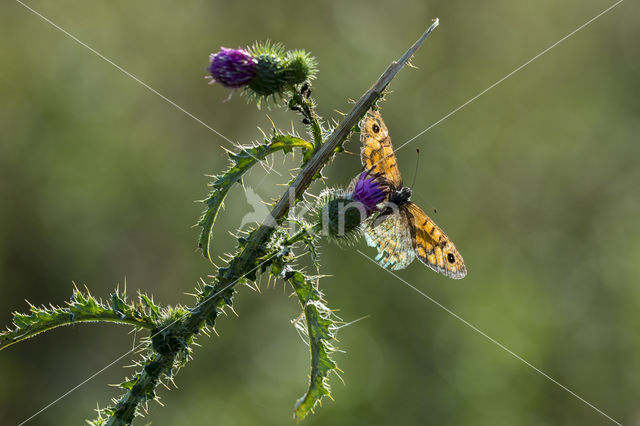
<point x="164" y="352"/>
<point x="140" y="389"/>
<point x="241" y="162"/>
<point x="302" y="102"/>
<point x="82" y="307"/>
<point x="320" y="331"/>
<point x="266" y="249"/>
<point x="166" y="338"/>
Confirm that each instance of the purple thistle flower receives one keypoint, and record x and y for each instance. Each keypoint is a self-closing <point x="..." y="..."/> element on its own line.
<point x="232" y="67"/>
<point x="368" y="192"/>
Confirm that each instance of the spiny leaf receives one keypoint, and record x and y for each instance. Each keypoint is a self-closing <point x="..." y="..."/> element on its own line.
<point x="241" y="162"/>
<point x="82" y="307"/>
<point x="154" y="309"/>
<point x="320" y="330"/>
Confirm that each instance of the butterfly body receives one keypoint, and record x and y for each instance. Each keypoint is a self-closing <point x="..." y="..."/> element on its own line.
<point x="401" y="231"/>
<point x="400" y="197"/>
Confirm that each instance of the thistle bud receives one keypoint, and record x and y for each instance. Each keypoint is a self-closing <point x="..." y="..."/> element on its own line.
<point x="263" y="70"/>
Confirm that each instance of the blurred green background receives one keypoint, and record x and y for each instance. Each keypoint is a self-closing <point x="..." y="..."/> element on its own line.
<point x="537" y="182"/>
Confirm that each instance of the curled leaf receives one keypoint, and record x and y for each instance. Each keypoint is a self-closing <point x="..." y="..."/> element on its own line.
<point x="320" y="330"/>
<point x="241" y="162"/>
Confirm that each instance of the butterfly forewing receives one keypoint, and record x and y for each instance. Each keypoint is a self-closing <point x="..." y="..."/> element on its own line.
<point x="377" y="152"/>
<point x="432" y="246"/>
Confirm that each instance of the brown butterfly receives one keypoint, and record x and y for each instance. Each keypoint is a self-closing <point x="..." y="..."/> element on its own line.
<point x="401" y="231"/>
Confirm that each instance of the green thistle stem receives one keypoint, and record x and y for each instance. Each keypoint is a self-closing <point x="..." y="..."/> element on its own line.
<point x="142" y="390"/>
<point x="174" y="329"/>
<point x="337" y="137"/>
<point x="246" y="262"/>
<point x="308" y="111"/>
<point x="302" y="233"/>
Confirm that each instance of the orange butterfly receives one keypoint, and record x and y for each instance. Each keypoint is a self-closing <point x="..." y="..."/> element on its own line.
<point x="401" y="231"/>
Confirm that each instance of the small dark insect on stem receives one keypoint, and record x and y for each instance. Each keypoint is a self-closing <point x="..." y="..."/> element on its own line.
<point x="302" y="103"/>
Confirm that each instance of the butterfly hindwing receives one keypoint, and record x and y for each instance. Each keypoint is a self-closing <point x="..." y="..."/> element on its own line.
<point x="391" y="236"/>
<point x="377" y="152"/>
<point x="432" y="246"/>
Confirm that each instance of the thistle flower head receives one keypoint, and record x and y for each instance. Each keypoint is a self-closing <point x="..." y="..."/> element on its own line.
<point x="342" y="213"/>
<point x="368" y="192"/>
<point x="232" y="68"/>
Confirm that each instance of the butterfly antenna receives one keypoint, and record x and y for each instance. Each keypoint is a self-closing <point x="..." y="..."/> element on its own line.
<point x="415" y="173"/>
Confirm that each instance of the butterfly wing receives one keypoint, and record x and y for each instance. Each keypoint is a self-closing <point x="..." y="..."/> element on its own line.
<point x="391" y="236"/>
<point x="377" y="152"/>
<point x="432" y="246"/>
